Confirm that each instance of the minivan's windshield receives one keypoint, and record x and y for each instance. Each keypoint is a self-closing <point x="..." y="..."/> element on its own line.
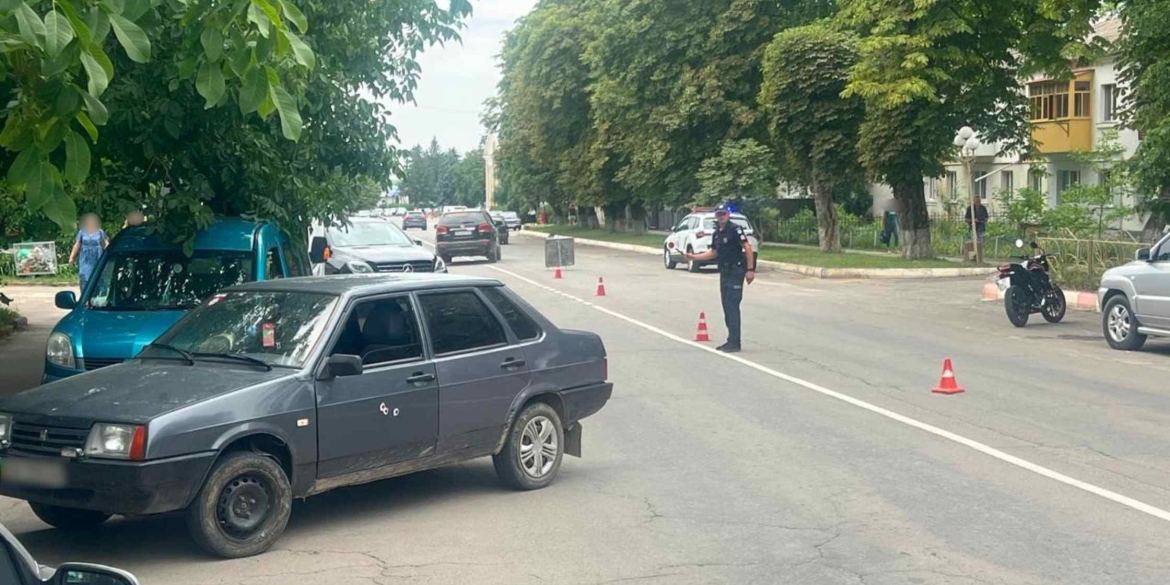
<point x="368" y="233"/>
<point x="277" y="328"/>
<point x="149" y="280"/>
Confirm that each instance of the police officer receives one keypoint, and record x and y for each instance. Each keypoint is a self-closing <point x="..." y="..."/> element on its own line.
<point x="730" y="246"/>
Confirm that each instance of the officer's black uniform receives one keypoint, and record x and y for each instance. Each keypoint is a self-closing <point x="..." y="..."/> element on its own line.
<point x="727" y="241"/>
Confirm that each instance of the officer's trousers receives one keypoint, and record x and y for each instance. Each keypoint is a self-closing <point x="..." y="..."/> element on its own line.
<point x="731" y="293"/>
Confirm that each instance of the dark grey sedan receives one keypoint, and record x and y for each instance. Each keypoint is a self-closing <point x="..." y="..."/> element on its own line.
<point x="289" y="388"/>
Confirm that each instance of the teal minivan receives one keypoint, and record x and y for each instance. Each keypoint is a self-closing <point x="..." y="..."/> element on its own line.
<point x="144" y="284"/>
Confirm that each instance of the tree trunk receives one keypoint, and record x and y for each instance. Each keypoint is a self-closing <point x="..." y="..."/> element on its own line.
<point x="636" y="218"/>
<point x="611" y="217"/>
<point x="914" y="219"/>
<point x="828" y="230"/>
<point x="587" y="217"/>
<point x="1156" y="223"/>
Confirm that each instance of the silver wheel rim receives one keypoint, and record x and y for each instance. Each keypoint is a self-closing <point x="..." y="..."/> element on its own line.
<point x="538" y="447"/>
<point x="666" y="258"/>
<point x="1119" y="323"/>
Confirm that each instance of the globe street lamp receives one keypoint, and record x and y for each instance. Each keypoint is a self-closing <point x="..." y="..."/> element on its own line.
<point x="968" y="142"/>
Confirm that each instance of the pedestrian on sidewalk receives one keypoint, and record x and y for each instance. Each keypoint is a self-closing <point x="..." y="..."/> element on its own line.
<point x="890" y="228"/>
<point x="737" y="264"/>
<point x="88" y="246"/>
<point x="981" y="216"/>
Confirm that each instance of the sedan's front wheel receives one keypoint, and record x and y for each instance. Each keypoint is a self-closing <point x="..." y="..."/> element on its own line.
<point x="243" y="507"/>
<point x="532" y="454"/>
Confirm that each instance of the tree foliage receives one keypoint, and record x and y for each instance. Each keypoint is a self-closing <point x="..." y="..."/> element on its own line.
<point x="814" y="130"/>
<point x="743" y="170"/>
<point x="1144" y="51"/>
<point x="928" y="67"/>
<point x="246" y="107"/>
<point x="434" y="177"/>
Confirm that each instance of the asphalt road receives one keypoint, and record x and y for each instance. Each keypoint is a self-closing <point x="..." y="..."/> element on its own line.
<point x="819" y="455"/>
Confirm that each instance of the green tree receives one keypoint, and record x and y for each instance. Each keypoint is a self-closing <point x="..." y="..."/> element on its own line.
<point x="1144" y="58"/>
<point x="1099" y="204"/>
<point x="927" y="68"/>
<point x="743" y="170"/>
<point x="470" y="179"/>
<point x="814" y="129"/>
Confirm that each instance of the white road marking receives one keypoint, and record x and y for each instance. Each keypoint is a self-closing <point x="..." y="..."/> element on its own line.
<point x="950" y="436"/>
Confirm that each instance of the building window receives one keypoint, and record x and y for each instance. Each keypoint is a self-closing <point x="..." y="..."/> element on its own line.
<point x="1036" y="180"/>
<point x="931" y="188"/>
<point x="952" y="184"/>
<point x="1109" y="103"/>
<point x="1049" y="100"/>
<point x="1081" y="99"/>
<point x="980" y="187"/>
<point x="1064" y="180"/>
<point x="1007" y="181"/>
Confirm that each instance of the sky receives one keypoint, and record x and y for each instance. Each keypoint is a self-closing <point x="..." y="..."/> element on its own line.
<point x="457" y="78"/>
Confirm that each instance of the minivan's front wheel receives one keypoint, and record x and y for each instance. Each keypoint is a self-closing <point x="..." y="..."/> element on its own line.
<point x="68" y="518"/>
<point x="243" y="507"/>
<point x="532" y="454"/>
<point x="1120" y="326"/>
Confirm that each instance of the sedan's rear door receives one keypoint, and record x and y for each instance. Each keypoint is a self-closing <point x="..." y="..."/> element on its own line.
<point x="480" y="368"/>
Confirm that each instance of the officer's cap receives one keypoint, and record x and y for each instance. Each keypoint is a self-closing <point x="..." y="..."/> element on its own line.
<point x="723" y="208"/>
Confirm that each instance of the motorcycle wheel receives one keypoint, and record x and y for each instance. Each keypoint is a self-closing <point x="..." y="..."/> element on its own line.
<point x="1056" y="306"/>
<point x="1017" y="306"/>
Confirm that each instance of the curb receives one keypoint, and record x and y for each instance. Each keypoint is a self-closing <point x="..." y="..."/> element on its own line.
<point x="1077" y="300"/>
<point x="811" y="271"/>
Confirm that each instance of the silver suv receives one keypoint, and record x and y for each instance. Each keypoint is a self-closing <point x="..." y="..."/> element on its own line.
<point x="1135" y="298"/>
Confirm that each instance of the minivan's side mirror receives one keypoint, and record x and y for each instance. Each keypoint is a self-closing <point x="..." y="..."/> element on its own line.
<point x="317" y="247"/>
<point x="342" y="365"/>
<point x="75" y="573"/>
<point x="1142" y="255"/>
<point x="65" y="299"/>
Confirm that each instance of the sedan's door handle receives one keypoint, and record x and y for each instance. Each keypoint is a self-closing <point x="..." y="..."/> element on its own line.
<point x="420" y="378"/>
<point x="513" y="363"/>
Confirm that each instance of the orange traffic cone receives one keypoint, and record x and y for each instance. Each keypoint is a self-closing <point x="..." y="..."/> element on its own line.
<point x="557" y="274"/>
<point x="600" y="287"/>
<point x="701" y="334"/>
<point x="947" y="384"/>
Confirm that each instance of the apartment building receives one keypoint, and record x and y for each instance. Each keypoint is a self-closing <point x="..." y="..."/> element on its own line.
<point x="1068" y="115"/>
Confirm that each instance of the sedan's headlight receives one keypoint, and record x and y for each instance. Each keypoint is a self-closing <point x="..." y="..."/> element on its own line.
<point x="60" y="350"/>
<point x="5" y="430"/>
<point x="439" y="265"/>
<point x="115" y="441"/>
<point x="358" y="267"/>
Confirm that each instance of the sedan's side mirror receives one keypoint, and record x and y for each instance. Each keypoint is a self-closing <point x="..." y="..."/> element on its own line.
<point x="65" y="299"/>
<point x="317" y="247"/>
<point x="87" y="574"/>
<point x="1142" y="255"/>
<point x="418" y="242"/>
<point x="343" y="366"/>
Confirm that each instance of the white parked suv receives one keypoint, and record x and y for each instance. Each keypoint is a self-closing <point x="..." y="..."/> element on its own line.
<point x="1135" y="298"/>
<point x="693" y="234"/>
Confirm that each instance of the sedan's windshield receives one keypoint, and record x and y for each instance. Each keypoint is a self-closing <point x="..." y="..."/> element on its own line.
<point x="277" y="328"/>
<point x="742" y="222"/>
<point x="511" y="215"/>
<point x="368" y="233"/>
<point x="159" y="280"/>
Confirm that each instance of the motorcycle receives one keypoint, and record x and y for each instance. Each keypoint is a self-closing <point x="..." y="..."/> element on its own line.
<point x="1028" y="289"/>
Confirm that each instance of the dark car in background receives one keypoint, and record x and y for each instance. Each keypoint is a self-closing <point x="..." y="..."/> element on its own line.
<point x="414" y="219"/>
<point x="467" y="233"/>
<point x="368" y="245"/>
<point x="501" y="226"/>
<point x="274" y="391"/>
<point x="513" y="220"/>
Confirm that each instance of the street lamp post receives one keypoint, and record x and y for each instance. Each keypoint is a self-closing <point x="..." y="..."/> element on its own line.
<point x="967" y="143"/>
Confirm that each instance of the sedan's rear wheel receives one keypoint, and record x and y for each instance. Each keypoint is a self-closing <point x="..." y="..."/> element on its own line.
<point x="63" y="518"/>
<point x="243" y="507"/>
<point x="531" y="456"/>
<point x="668" y="260"/>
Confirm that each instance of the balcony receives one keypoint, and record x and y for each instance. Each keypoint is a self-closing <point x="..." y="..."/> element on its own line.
<point x="1061" y="114"/>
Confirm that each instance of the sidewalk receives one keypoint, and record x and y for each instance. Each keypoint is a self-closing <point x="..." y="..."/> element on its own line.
<point x="22" y="355"/>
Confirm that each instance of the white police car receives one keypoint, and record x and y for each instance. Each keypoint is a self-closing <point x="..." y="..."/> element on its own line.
<point x="693" y="234"/>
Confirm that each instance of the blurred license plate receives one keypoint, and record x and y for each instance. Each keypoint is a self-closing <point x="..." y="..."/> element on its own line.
<point x="32" y="472"/>
<point x="1003" y="283"/>
<point x="462" y="233"/>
